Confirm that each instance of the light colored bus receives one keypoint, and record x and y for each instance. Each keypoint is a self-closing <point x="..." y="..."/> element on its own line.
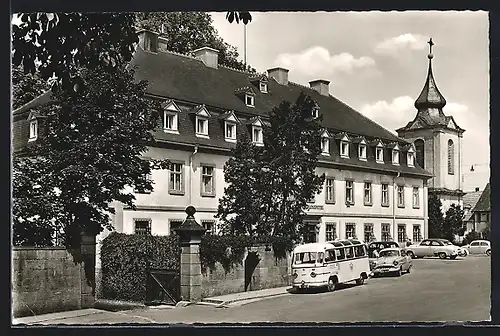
<point x="329" y="264"/>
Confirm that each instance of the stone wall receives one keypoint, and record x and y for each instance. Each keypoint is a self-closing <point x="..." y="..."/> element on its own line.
<point x="255" y="273"/>
<point x="46" y="280"/>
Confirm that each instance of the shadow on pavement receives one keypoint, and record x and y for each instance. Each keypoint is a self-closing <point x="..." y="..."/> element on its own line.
<point x="320" y="290"/>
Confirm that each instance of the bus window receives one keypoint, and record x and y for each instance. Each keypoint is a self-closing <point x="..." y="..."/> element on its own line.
<point x="349" y="252"/>
<point x="305" y="258"/>
<point x="320" y="257"/>
<point x="329" y="256"/>
<point x="359" y="251"/>
<point x="340" y="254"/>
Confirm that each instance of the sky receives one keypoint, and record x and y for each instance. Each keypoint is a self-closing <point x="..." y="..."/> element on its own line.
<point x="377" y="62"/>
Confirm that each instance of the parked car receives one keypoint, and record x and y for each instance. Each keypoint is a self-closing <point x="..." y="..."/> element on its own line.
<point x="375" y="247"/>
<point x="479" y="247"/>
<point x="433" y="247"/>
<point x="393" y="260"/>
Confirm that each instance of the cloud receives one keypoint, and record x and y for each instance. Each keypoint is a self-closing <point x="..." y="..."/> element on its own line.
<point x="391" y="115"/>
<point x="317" y="61"/>
<point x="394" y="45"/>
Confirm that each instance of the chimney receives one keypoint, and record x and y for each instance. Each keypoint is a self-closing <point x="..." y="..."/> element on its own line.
<point x="477" y="188"/>
<point x="279" y="74"/>
<point x="162" y="43"/>
<point x="321" y="86"/>
<point x="148" y="40"/>
<point x="208" y="55"/>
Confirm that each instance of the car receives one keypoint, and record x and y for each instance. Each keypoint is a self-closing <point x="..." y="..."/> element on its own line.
<point x="393" y="260"/>
<point x="433" y="247"/>
<point x="478" y="247"/>
<point x="375" y="247"/>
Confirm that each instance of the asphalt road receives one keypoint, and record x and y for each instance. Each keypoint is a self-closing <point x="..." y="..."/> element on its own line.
<point x="435" y="290"/>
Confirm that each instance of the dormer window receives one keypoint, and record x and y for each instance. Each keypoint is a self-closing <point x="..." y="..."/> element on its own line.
<point x="257" y="137"/>
<point x="230" y="122"/>
<point x="344" y="149"/>
<point x="250" y="100"/>
<point x="263" y="87"/>
<point x="410" y="158"/>
<point x="230" y="131"/>
<point x="315" y="112"/>
<point x="325" y="143"/>
<point x="379" y="153"/>
<point x="201" y="121"/>
<point x="395" y="157"/>
<point x="33" y="130"/>
<point x="362" y="151"/>
<point x="170" y="117"/>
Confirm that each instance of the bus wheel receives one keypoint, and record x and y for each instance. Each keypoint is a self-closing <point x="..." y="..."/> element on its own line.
<point x="360" y="281"/>
<point x="332" y="283"/>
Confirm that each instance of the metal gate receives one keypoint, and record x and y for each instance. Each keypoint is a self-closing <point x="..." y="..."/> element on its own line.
<point x="163" y="286"/>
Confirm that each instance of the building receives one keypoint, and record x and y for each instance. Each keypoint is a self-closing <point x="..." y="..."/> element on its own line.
<point x="481" y="213"/>
<point x="438" y="142"/>
<point x="374" y="188"/>
<point x="470" y="200"/>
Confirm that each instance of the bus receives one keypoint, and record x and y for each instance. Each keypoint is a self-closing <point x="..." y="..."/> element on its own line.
<point x="329" y="264"/>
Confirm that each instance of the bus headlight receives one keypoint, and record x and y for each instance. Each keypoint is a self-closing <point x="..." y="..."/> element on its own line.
<point x="295" y="275"/>
<point x="396" y="263"/>
<point x="313" y="275"/>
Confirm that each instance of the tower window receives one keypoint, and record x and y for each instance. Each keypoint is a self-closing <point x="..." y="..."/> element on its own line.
<point x="451" y="150"/>
<point x="419" y="148"/>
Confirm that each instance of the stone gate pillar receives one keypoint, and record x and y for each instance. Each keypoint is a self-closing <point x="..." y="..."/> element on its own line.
<point x="87" y="270"/>
<point x="190" y="233"/>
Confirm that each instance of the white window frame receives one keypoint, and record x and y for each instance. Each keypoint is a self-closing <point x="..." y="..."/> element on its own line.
<point x="228" y="124"/>
<point x="348" y="226"/>
<point x="250" y="103"/>
<point x="330" y="229"/>
<point x="401" y="196"/>
<point x="395" y="157"/>
<point x="205" y="193"/>
<point x="386" y="193"/>
<point x="203" y="134"/>
<point x="367" y="187"/>
<point x="325" y="146"/>
<point x="330" y="190"/>
<point x="172" y="188"/>
<point x="344" y="145"/>
<point x="410" y="158"/>
<point x="362" y="152"/>
<point x="260" y="138"/>
<point x="175" y="122"/>
<point x="402" y="235"/>
<point x="349" y="185"/>
<point x="263" y="87"/>
<point x="379" y="158"/>
<point x="33" y="129"/>
<point x="417" y="233"/>
<point x="315" y="112"/>
<point x="387" y="232"/>
<point x="368" y="228"/>
<point x="416" y="197"/>
<point x="145" y="231"/>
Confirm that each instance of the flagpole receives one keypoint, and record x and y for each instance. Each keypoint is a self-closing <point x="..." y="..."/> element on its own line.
<point x="245" y="44"/>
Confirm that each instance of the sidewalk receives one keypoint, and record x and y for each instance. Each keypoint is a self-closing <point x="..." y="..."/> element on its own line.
<point x="223" y="301"/>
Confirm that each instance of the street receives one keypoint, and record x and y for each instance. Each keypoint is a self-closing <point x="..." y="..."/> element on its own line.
<point x="435" y="290"/>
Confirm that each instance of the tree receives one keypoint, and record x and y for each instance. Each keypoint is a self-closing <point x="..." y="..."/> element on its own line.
<point x="58" y="44"/>
<point x="240" y="208"/>
<point x="89" y="154"/>
<point x="25" y="87"/>
<point x="291" y="150"/>
<point x="435" y="217"/>
<point x="469" y="237"/>
<point x="453" y="222"/>
<point x="245" y="17"/>
<point x="188" y="31"/>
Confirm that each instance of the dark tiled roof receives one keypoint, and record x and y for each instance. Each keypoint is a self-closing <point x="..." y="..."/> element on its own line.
<point x="470" y="199"/>
<point x="430" y="97"/>
<point x="484" y="203"/>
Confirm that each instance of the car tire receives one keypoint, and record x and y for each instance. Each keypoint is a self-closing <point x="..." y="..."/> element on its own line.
<point x="453" y="257"/>
<point x="411" y="254"/>
<point x="400" y="271"/>
<point x="409" y="269"/>
<point x="360" y="281"/>
<point x="488" y="253"/>
<point x="332" y="285"/>
<point x="442" y="255"/>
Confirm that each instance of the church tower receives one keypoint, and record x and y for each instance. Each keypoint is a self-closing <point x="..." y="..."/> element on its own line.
<point x="438" y="142"/>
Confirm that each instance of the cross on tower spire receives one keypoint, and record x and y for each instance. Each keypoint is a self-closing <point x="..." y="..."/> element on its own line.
<point x="430" y="45"/>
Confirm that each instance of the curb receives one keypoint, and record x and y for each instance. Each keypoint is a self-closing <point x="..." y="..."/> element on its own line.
<point x="221" y="303"/>
<point x="115" y="305"/>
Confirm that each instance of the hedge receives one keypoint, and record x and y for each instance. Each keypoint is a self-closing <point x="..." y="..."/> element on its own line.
<point x="124" y="259"/>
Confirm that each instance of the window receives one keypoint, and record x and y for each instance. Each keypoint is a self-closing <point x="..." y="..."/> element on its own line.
<point x="169" y="121"/>
<point x="401" y="196"/>
<point x="350" y="231"/>
<point x="362" y="152"/>
<point x="379" y="155"/>
<point x="305" y="258"/>
<point x="369" y="236"/>
<point x="250" y="101"/>
<point x="174" y="224"/>
<point x="386" y="232"/>
<point x="257" y="135"/>
<point x="411" y="159"/>
<point x="349" y="192"/>
<point x="230" y="131"/>
<point x="331" y="231"/>
<point x="142" y="226"/>
<point x="416" y="197"/>
<point x="451" y="165"/>
<point x="33" y="129"/>
<point x="201" y="126"/>
<point x="344" y="149"/>
<point x="385" y="194"/>
<point x="401" y="233"/>
<point x="426" y="243"/>
<point x="207" y="181"/>
<point x="310" y="234"/>
<point x="419" y="148"/>
<point x="315" y="112"/>
<point x="330" y="256"/>
<point x="263" y="87"/>
<point x="325" y="146"/>
<point x="349" y="252"/>
<point x="395" y="157"/>
<point x="141" y="189"/>
<point x="176" y="178"/>
<point x="340" y="254"/>
<point x="368" y="193"/>
<point x="436" y="243"/>
<point x="209" y="226"/>
<point x="417" y="235"/>
<point x="360" y="251"/>
<point x="484" y="217"/>
<point x="330" y="191"/>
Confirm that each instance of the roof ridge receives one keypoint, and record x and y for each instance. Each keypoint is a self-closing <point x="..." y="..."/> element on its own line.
<point x="179" y="54"/>
<point x="237" y="70"/>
